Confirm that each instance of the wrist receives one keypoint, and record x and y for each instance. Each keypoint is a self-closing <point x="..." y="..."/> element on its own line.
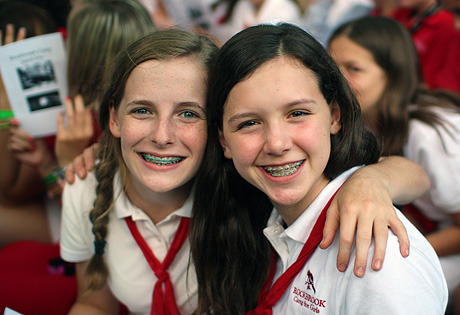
<point x="53" y="182"/>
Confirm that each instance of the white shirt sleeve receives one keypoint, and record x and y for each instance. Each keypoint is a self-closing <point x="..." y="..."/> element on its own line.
<point x="437" y="150"/>
<point x="76" y="236"/>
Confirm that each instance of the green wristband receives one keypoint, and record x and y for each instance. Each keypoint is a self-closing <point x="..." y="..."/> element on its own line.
<point x="6" y="113"/>
<point x="52" y="177"/>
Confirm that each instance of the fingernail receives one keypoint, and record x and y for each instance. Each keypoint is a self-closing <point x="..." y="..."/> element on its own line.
<point x="342" y="267"/>
<point x="14" y="122"/>
<point x="30" y="139"/>
<point x="80" y="173"/>
<point x="377" y="264"/>
<point x="33" y="147"/>
<point x="360" y="272"/>
<point x="406" y="252"/>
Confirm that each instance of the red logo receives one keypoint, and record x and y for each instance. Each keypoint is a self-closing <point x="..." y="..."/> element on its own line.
<point x="309" y="283"/>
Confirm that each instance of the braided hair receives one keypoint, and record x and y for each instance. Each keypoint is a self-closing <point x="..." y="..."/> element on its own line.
<point x="160" y="45"/>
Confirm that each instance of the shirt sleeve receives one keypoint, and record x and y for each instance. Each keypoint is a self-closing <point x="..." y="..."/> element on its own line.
<point x="437" y="150"/>
<point x="411" y="285"/>
<point x="76" y="235"/>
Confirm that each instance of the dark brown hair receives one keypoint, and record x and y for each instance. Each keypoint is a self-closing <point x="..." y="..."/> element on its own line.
<point x="34" y="19"/>
<point x="230" y="252"/>
<point x="393" y="50"/>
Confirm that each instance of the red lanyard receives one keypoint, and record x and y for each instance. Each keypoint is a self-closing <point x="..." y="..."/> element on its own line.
<point x="268" y="297"/>
<point x="163" y="303"/>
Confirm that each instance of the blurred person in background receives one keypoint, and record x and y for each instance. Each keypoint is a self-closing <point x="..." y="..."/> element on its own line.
<point x="379" y="59"/>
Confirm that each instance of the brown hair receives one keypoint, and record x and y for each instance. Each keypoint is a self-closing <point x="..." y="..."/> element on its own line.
<point x="393" y="50"/>
<point x="97" y="31"/>
<point x="161" y="45"/>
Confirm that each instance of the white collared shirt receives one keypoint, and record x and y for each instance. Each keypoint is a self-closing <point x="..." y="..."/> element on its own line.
<point x="131" y="279"/>
<point x="413" y="285"/>
<point x="437" y="150"/>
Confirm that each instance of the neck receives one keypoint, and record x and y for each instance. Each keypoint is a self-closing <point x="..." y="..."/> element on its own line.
<point x="291" y="212"/>
<point x="158" y="205"/>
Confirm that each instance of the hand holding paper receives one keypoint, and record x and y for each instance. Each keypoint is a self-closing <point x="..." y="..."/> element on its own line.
<point x="77" y="134"/>
<point x="34" y="75"/>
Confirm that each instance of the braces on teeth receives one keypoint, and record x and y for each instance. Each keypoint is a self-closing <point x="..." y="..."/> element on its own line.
<point x="161" y="161"/>
<point x="285" y="170"/>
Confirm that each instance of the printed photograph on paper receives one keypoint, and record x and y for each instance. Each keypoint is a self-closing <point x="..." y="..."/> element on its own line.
<point x="37" y="74"/>
<point x="34" y="75"/>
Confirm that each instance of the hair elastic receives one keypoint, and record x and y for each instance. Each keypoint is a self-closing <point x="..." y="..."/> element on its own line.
<point x="99" y="247"/>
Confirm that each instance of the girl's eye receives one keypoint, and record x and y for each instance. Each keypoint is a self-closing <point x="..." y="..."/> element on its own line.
<point x="247" y="124"/>
<point x="140" y="111"/>
<point x="354" y="69"/>
<point x="298" y="113"/>
<point x="189" y="114"/>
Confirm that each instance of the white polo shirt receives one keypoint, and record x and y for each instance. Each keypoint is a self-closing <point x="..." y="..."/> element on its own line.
<point x="131" y="279"/>
<point x="413" y="285"/>
<point x="245" y="15"/>
<point x="437" y="150"/>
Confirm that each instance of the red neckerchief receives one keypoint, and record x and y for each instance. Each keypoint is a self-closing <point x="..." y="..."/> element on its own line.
<point x="163" y="303"/>
<point x="268" y="297"/>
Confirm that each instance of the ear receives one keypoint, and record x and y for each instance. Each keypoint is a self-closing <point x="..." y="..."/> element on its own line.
<point x="223" y="143"/>
<point x="114" y="123"/>
<point x="335" y="119"/>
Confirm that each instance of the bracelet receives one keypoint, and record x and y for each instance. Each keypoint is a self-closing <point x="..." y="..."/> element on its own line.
<point x="52" y="177"/>
<point x="56" y="174"/>
<point x="52" y="182"/>
<point x="6" y="113"/>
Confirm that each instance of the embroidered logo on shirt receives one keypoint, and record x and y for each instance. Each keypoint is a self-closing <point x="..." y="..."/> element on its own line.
<point x="309" y="283"/>
<point x="306" y="300"/>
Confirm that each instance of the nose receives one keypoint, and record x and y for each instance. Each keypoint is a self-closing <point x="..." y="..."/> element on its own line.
<point x="277" y="139"/>
<point x="162" y="133"/>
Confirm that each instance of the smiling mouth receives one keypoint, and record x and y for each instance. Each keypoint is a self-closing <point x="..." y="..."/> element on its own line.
<point x="283" y="170"/>
<point x="161" y="161"/>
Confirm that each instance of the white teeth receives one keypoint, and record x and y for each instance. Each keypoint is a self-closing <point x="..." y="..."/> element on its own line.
<point x="161" y="160"/>
<point x="285" y="170"/>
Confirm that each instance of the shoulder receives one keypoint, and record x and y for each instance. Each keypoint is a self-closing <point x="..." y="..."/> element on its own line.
<point x="80" y="195"/>
<point x="445" y="137"/>
<point x="406" y="282"/>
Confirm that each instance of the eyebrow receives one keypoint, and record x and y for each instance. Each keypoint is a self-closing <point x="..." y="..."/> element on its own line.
<point x="180" y="104"/>
<point x="288" y="105"/>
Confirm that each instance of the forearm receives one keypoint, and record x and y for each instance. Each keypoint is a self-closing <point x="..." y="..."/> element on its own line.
<point x="445" y="242"/>
<point x="27" y="185"/>
<point x="97" y="302"/>
<point x="18" y="182"/>
<point x="88" y="309"/>
<point x="9" y="166"/>
<point x="405" y="180"/>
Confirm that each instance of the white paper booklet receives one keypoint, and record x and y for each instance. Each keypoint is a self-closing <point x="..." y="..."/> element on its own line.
<point x="34" y="74"/>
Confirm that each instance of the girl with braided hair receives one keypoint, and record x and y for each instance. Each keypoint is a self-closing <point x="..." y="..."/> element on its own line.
<point x="153" y="126"/>
<point x="153" y="120"/>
